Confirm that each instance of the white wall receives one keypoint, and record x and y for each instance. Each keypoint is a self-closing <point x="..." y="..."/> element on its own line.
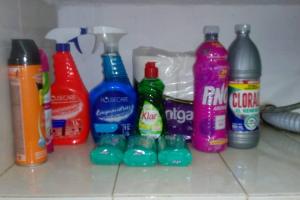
<point x="176" y="26"/>
<point x="18" y="19"/>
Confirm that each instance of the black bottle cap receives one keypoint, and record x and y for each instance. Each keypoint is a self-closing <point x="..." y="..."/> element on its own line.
<point x="24" y="52"/>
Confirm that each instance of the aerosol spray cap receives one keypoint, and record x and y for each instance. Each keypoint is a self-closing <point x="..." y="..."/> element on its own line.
<point x="24" y="52"/>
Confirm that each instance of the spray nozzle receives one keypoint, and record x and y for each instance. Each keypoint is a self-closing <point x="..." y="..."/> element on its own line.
<point x="110" y="36"/>
<point x="83" y="31"/>
<point x="64" y="36"/>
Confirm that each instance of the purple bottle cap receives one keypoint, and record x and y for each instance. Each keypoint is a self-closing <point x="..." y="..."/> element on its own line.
<point x="44" y="60"/>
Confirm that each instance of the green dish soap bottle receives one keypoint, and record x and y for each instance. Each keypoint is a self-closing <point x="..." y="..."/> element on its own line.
<point x="152" y="120"/>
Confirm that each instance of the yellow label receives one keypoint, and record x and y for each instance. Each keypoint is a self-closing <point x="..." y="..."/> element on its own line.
<point x="245" y="85"/>
<point x="218" y="142"/>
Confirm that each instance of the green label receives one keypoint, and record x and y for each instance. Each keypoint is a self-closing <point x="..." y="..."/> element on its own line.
<point x="150" y="122"/>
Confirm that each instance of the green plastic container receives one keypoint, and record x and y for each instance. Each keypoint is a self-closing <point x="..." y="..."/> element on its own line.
<point x="109" y="151"/>
<point x="141" y="151"/>
<point x="173" y="151"/>
<point x="151" y="117"/>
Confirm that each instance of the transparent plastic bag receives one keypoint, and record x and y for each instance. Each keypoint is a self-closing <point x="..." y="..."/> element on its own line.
<point x="175" y="70"/>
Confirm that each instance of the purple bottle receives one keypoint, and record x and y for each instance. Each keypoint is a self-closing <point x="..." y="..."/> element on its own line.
<point x="210" y="96"/>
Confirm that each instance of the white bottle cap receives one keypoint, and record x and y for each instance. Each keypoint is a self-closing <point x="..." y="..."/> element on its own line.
<point x="211" y="30"/>
<point x="242" y="28"/>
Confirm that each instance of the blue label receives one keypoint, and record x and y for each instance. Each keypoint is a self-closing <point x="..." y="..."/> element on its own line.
<point x="107" y="128"/>
<point x="115" y="109"/>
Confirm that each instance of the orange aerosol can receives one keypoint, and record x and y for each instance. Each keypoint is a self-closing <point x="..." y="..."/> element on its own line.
<point x="26" y="84"/>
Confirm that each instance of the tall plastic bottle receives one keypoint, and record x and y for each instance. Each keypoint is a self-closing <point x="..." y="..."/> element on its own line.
<point x="46" y="92"/>
<point x="69" y="98"/>
<point x="152" y="119"/>
<point x="210" y="97"/>
<point x="26" y="89"/>
<point x="113" y="101"/>
<point x="245" y="72"/>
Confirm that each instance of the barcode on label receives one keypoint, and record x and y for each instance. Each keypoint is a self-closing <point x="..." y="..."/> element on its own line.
<point x="18" y="123"/>
<point x="220" y="122"/>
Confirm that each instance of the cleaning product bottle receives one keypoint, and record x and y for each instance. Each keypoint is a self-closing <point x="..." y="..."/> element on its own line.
<point x="173" y="151"/>
<point x="110" y="149"/>
<point x="141" y="151"/>
<point x="113" y="102"/>
<point x="26" y="84"/>
<point x="245" y="72"/>
<point x="152" y="120"/>
<point x="46" y="92"/>
<point x="210" y="96"/>
<point x="70" y="105"/>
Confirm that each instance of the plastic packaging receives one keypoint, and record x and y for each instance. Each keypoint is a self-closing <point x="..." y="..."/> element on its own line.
<point x="113" y="101"/>
<point x="70" y="102"/>
<point x="173" y="151"/>
<point x="244" y="85"/>
<point x="26" y="85"/>
<point x="152" y="120"/>
<point x="176" y="72"/>
<point x="210" y="98"/>
<point x="141" y="151"/>
<point x="109" y="150"/>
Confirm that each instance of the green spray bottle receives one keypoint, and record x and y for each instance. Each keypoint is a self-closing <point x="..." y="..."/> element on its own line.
<point x="151" y="120"/>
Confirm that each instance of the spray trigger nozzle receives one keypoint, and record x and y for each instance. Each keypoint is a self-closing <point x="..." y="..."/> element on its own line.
<point x="109" y="36"/>
<point x="83" y="31"/>
<point x="67" y="35"/>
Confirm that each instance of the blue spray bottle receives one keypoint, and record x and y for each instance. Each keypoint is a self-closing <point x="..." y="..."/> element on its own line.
<point x="113" y="101"/>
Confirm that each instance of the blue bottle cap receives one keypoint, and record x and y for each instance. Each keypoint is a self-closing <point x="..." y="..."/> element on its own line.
<point x="62" y="47"/>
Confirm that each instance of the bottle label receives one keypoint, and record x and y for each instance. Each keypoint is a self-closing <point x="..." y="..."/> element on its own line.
<point x="179" y="117"/>
<point x="47" y="107"/>
<point x="210" y="103"/>
<point x="114" y="108"/>
<point x="150" y="121"/>
<point x="28" y="114"/>
<point x="244" y="105"/>
<point x="66" y="115"/>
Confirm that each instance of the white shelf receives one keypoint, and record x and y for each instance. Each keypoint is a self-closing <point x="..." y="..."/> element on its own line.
<point x="206" y="178"/>
<point x="67" y="173"/>
<point x="270" y="171"/>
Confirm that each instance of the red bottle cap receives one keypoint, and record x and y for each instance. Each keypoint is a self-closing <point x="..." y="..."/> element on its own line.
<point x="151" y="71"/>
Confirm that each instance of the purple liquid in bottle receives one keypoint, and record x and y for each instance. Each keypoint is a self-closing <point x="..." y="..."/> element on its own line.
<point x="210" y="96"/>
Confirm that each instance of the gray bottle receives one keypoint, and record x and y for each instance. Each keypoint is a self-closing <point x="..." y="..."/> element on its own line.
<point x="243" y="90"/>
